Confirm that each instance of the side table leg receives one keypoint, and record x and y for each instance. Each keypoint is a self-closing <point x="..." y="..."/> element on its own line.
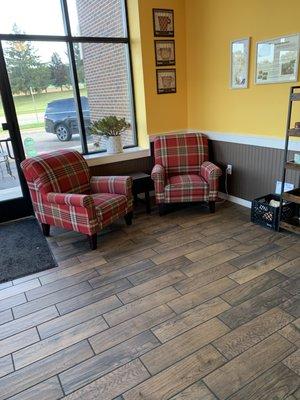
<point x="148" y="204"/>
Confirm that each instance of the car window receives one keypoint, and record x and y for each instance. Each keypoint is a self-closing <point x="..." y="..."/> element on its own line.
<point x="49" y="108"/>
<point x="66" y="105"/>
<point x="85" y="104"/>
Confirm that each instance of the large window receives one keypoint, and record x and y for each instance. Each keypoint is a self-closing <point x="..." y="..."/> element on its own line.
<point x="69" y="64"/>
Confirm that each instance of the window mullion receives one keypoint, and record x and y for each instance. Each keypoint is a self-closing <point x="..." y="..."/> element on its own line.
<point x="130" y="75"/>
<point x="74" y="76"/>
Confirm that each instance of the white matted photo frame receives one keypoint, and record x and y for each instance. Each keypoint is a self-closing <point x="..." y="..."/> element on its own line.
<point x="277" y="60"/>
<point x="163" y="22"/>
<point x="164" y="52"/>
<point x="239" y="63"/>
<point x="166" y="81"/>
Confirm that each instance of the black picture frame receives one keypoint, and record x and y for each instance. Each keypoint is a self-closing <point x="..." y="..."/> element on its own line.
<point x="159" y="23"/>
<point x="163" y="60"/>
<point x="168" y="86"/>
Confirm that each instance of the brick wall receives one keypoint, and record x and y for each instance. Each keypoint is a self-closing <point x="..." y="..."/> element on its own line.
<point x="105" y="64"/>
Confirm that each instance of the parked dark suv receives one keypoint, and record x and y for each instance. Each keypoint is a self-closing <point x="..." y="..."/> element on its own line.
<point x="61" y="118"/>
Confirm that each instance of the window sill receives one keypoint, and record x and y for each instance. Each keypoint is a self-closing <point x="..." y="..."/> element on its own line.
<point x="128" y="154"/>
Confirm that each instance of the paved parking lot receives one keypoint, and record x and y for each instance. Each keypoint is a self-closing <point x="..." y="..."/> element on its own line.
<point x="45" y="142"/>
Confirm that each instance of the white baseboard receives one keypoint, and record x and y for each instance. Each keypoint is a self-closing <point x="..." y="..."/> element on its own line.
<point x="236" y="200"/>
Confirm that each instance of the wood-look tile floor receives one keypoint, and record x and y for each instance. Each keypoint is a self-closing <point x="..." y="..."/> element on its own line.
<point x="187" y="306"/>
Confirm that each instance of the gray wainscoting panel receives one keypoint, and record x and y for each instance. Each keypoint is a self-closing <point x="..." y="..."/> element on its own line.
<point x="255" y="169"/>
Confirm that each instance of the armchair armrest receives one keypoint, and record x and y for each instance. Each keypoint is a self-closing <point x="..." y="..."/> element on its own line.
<point x="112" y="184"/>
<point x="158" y="176"/>
<point x="70" y="199"/>
<point x="210" y="171"/>
<point x="158" y="173"/>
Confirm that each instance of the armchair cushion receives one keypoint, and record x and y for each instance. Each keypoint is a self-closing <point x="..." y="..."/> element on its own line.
<point x="186" y="188"/>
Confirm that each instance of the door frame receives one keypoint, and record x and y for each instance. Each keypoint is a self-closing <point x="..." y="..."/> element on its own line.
<point x="20" y="206"/>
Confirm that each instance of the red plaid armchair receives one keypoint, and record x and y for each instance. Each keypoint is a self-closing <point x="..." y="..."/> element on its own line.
<point x="63" y="194"/>
<point x="182" y="172"/>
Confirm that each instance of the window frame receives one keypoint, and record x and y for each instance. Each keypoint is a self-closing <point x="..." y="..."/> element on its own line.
<point x="70" y="40"/>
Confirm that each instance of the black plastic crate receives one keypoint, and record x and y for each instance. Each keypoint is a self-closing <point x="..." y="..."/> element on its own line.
<point x="265" y="215"/>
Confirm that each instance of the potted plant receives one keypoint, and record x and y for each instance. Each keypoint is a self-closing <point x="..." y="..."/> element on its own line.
<point x="111" y="127"/>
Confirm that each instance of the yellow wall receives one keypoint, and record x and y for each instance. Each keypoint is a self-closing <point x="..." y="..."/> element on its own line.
<point x="164" y="112"/>
<point x="204" y="100"/>
<point x="138" y="72"/>
<point x="211" y="25"/>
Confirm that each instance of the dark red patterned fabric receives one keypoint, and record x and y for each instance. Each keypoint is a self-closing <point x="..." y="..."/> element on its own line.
<point x="211" y="173"/>
<point x="79" y="200"/>
<point x="112" y="184"/>
<point x="64" y="195"/>
<point x="182" y="171"/>
<point x="181" y="154"/>
<point x="158" y="175"/>
<point x="63" y="171"/>
<point x="109" y="206"/>
<point x="186" y="188"/>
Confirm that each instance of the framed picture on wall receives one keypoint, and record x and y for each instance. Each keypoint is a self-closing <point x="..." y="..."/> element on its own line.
<point x="163" y="22"/>
<point x="166" y="81"/>
<point x="164" y="52"/>
<point x="277" y="60"/>
<point x="239" y="68"/>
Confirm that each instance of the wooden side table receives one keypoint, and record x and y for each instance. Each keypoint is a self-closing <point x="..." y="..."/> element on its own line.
<point x="142" y="183"/>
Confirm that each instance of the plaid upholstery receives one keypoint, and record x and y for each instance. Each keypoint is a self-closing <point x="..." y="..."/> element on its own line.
<point x="79" y="200"/>
<point x="186" y="188"/>
<point x="61" y="172"/>
<point x="109" y="206"/>
<point x="158" y="175"/>
<point x="181" y="154"/>
<point x="182" y="172"/>
<point x="63" y="195"/>
<point x="211" y="173"/>
<point x="112" y="184"/>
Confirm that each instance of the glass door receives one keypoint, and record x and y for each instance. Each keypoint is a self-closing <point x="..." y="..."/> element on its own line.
<point x="10" y="187"/>
<point x="43" y="95"/>
<point x="58" y="73"/>
<point x="14" y="196"/>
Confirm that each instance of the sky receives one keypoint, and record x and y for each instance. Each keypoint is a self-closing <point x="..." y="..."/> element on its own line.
<point x="38" y="17"/>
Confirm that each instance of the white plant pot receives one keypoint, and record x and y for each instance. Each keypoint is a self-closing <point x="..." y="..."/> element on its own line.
<point x="114" y="145"/>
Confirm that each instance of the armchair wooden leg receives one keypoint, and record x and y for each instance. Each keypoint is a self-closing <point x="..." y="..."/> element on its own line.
<point x="93" y="241"/>
<point x="161" y="209"/>
<point x="128" y="218"/>
<point x="46" y="229"/>
<point x="212" y="206"/>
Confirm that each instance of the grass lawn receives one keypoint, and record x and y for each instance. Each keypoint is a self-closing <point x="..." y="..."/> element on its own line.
<point x="24" y="104"/>
<point x="28" y="127"/>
